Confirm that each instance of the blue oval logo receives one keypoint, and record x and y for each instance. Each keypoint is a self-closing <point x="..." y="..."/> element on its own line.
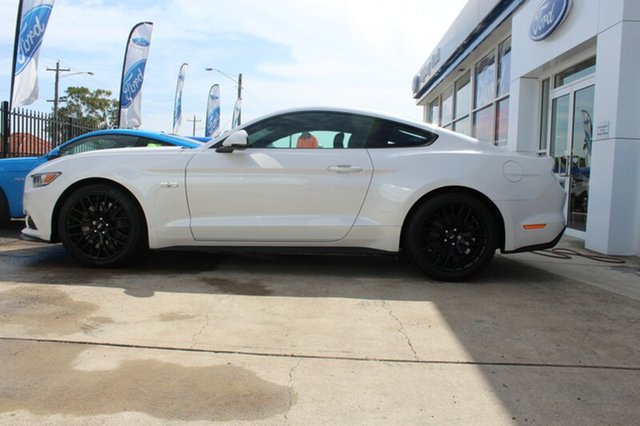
<point x="32" y="28"/>
<point x="549" y="15"/>
<point x="132" y="83"/>
<point x="140" y="41"/>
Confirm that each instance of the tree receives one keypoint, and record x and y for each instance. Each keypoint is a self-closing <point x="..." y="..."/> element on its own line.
<point x="91" y="109"/>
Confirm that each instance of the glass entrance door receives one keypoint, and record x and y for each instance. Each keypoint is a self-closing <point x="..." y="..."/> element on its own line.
<point x="571" y="134"/>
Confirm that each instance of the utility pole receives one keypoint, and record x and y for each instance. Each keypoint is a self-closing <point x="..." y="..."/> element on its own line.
<point x="57" y="70"/>
<point x="239" y="96"/>
<point x="194" y="124"/>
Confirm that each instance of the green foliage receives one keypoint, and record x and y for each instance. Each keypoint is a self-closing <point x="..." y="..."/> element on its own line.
<point x="91" y="109"/>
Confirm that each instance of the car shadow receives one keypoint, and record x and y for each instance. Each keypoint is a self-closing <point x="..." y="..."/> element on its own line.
<point x="381" y="277"/>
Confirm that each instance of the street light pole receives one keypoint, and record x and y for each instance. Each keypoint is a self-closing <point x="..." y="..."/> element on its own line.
<point x="56" y="97"/>
<point x="238" y="82"/>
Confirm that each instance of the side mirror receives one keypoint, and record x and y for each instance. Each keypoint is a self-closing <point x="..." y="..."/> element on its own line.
<point x="237" y="140"/>
<point x="53" y="154"/>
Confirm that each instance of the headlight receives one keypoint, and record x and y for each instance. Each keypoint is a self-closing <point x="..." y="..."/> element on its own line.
<point x="44" y="179"/>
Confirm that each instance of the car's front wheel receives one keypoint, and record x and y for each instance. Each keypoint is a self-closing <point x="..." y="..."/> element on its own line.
<point x="451" y="237"/>
<point x="101" y="225"/>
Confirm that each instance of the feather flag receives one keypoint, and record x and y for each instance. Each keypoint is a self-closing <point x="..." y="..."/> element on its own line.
<point x="213" y="112"/>
<point x="135" y="61"/>
<point x="33" y="17"/>
<point x="177" y="106"/>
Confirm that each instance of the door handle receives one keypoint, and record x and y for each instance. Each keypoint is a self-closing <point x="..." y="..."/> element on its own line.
<point x="344" y="168"/>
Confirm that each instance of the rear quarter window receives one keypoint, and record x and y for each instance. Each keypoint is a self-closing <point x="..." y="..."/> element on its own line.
<point x="395" y="135"/>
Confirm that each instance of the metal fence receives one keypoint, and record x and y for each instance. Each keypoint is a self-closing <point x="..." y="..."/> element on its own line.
<point x="27" y="133"/>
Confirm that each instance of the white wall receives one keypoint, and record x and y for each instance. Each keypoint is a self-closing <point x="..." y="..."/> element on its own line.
<point x="613" y="224"/>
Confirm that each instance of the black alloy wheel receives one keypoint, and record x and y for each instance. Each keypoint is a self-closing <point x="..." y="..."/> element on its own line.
<point x="101" y="225"/>
<point x="452" y="237"/>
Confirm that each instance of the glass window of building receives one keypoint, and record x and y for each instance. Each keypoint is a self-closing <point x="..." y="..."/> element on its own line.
<point x="544" y="117"/>
<point x="485" y="78"/>
<point x="447" y="106"/>
<point x="583" y="69"/>
<point x="483" y="124"/>
<point x="504" y="67"/>
<point x="434" y="112"/>
<point x="462" y="126"/>
<point x="502" y="122"/>
<point x="463" y="96"/>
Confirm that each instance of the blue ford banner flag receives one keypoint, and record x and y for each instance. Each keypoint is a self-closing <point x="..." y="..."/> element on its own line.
<point x="237" y="110"/>
<point x="213" y="112"/>
<point x="33" y="17"/>
<point x="177" y="106"/>
<point x="135" y="61"/>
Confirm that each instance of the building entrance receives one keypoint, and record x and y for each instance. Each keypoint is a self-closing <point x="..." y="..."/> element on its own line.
<point x="571" y="133"/>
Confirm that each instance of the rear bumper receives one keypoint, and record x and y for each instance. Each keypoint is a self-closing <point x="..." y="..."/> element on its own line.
<point x="536" y="247"/>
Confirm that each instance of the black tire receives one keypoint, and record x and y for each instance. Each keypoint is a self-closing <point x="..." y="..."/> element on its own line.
<point x="102" y="226"/>
<point x="5" y="215"/>
<point x="451" y="237"/>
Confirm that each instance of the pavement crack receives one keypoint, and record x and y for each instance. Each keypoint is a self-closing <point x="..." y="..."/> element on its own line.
<point x="292" y="382"/>
<point x="635" y="368"/>
<point x="194" y="339"/>
<point x="401" y="329"/>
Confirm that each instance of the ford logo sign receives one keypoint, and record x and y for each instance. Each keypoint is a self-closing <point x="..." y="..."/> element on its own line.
<point x="132" y="83"/>
<point x="549" y="15"/>
<point x="213" y="121"/>
<point x="140" y="41"/>
<point x="32" y="28"/>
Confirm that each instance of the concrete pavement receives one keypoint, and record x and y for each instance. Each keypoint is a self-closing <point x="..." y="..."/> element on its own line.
<point x="193" y="337"/>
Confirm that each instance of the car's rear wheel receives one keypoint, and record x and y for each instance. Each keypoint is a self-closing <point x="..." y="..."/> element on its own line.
<point x="451" y="237"/>
<point x="5" y="215"/>
<point x="101" y="225"/>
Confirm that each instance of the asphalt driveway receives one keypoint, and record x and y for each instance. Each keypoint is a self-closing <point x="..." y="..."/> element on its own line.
<point x="198" y="337"/>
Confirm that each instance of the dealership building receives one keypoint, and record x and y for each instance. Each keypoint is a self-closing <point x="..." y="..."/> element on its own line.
<point x="551" y="77"/>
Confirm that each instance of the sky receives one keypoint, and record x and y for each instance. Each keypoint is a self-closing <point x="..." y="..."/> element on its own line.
<point x="343" y="53"/>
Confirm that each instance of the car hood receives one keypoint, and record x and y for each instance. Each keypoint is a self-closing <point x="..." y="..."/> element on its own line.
<point x="18" y="164"/>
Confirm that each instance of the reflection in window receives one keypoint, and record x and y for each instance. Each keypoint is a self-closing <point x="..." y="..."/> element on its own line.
<point x="462" y="126"/>
<point x="504" y="65"/>
<point x="577" y="72"/>
<point x="394" y="135"/>
<point x="502" y="122"/>
<point x="447" y="106"/>
<point x="483" y="124"/>
<point x="434" y="112"/>
<point x="485" y="81"/>
<point x="544" y="117"/>
<point x="463" y="96"/>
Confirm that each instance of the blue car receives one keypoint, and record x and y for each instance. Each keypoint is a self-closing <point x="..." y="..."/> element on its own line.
<point x="14" y="170"/>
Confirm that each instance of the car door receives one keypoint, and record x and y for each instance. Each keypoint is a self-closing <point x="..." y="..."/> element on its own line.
<point x="277" y="191"/>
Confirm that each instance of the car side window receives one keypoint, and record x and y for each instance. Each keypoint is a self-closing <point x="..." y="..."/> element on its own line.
<point x="396" y="135"/>
<point x="304" y="130"/>
<point x="94" y="143"/>
<point x="151" y="143"/>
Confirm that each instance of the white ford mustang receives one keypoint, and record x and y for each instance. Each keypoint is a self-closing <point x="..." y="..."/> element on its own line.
<point x="324" y="179"/>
